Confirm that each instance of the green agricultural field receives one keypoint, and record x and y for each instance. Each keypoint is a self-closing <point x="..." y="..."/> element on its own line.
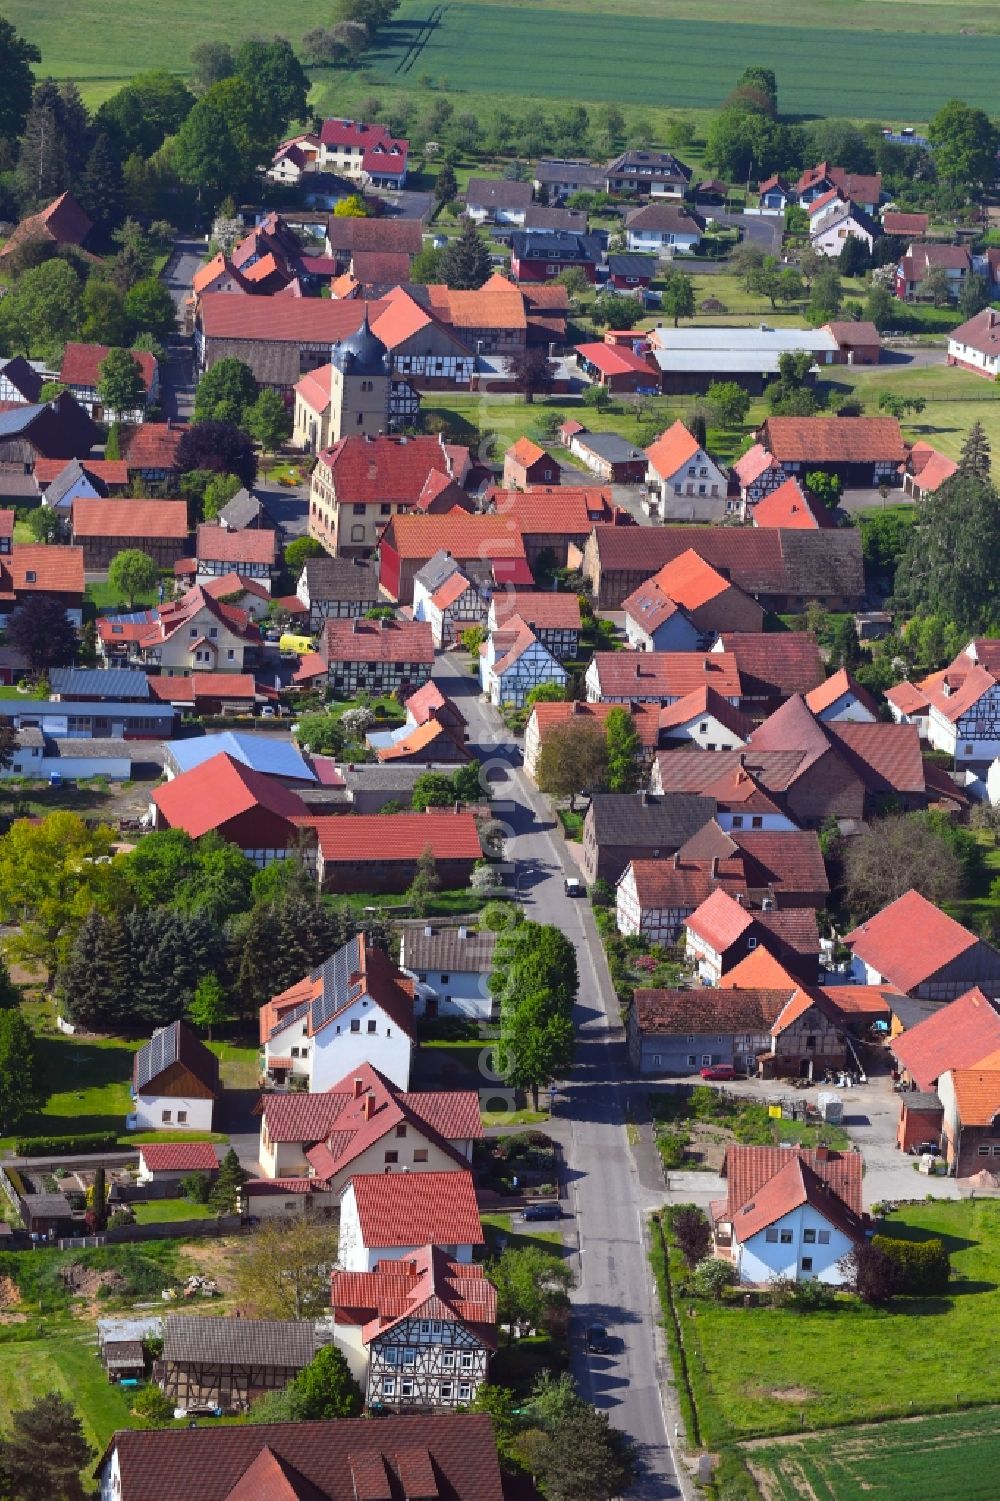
<point x="955" y="400"/>
<point x="952" y="1459"/>
<point x="66" y="1364"/>
<point x="583" y="54"/>
<point x="765" y="1370"/>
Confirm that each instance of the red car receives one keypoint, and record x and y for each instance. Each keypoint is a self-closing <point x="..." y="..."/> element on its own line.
<point x="719" y="1071"/>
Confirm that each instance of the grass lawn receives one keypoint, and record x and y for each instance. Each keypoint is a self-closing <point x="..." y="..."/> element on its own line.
<point x="458" y="903"/>
<point x="138" y="1138"/>
<point x="89" y="1080"/>
<point x="69" y="1366"/>
<point x="952" y="1459"/>
<point x="496" y="1226"/>
<point x="955" y="399"/>
<point x="972" y="909"/>
<point x="514" y="1117"/>
<point x="165" y="1211"/>
<point x="764" y="1370"/>
<point x="103" y="597"/>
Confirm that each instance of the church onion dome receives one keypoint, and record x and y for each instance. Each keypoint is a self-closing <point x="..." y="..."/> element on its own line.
<point x="362" y="353"/>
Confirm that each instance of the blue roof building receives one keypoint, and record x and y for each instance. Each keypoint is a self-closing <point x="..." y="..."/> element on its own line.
<point x="264" y="753"/>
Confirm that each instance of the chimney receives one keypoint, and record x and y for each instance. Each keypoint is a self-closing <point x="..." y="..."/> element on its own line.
<point x="369" y="1106"/>
<point x="715" y="867"/>
<point x="359" y="1087"/>
<point x="428" y="931"/>
<point x="463" y="934"/>
<point x="823" y="1154"/>
<point x="677" y="859"/>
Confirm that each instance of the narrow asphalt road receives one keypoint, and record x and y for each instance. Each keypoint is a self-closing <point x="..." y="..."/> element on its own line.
<point x="606" y="1200"/>
<point x="177" y="376"/>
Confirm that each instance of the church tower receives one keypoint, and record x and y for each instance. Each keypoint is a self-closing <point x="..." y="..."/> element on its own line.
<point x="360" y="385"/>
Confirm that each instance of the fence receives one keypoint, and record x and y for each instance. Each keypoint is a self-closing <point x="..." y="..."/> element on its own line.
<point x="225" y="1224"/>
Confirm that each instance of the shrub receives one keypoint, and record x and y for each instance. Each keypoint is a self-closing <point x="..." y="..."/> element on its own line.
<point x="152" y="1407"/>
<point x="712" y="1277"/>
<point x="923" y="1267"/>
<point x="63" y="1146"/>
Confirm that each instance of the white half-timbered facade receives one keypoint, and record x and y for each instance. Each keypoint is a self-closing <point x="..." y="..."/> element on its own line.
<point x="514" y="661"/>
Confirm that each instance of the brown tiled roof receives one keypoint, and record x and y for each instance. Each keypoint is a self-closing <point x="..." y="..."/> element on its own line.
<point x="426" y="1286"/>
<point x="681" y="1012"/>
<point x="761" y="561"/>
<point x="959" y="1035"/>
<point x="749" y="1168"/>
<point x="464" y="536"/>
<point x="219" y="545"/>
<point x="644" y="717"/>
<point x="794" y="1184"/>
<point x="683" y="883"/>
<point x="63" y="221"/>
<point x="702" y="701"/>
<point x="33" y="567"/>
<point x="376" y="641"/>
<point x="776" y="664"/>
<point x="834" y="440"/>
<point x="910" y="940"/>
<point x="896" y="223"/>
<point x="154" y="445"/>
<point x="308" y="320"/>
<point x="542" y="610"/>
<point x="569" y="510"/>
<point x="94" y="517"/>
<point x="665" y="674"/>
<point x="81" y="364"/>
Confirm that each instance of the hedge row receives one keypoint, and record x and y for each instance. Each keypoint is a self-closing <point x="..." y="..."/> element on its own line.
<point x="923" y="1265"/>
<point x="63" y="1146"/>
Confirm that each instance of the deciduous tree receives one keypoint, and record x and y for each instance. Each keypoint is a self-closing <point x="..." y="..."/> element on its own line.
<point x="150" y="309"/>
<point x="277" y="79"/>
<point x="284" y="1272"/>
<point x="120" y="383"/>
<point x="41" y="630"/>
<point x="887" y="858"/>
<point x="692" y="1232"/>
<point x="424" y="884"/>
<point x="268" y="421"/>
<point x="225" y="392"/>
<point x="573" y="758"/>
<point x="529" y="1283"/>
<point x="132" y="573"/>
<point x="678" y="297"/>
<point x="208" y="1007"/>
<point x="965" y="145"/>
<point x="220" y="447"/>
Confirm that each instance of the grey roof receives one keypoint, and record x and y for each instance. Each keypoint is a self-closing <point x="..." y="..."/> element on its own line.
<point x="921" y="1099"/>
<point x="669" y="215"/>
<point x="65" y="480"/>
<point x="14" y="422"/>
<point x="47" y="1206"/>
<point x="82" y="749"/>
<point x="554" y="245"/>
<point x="437" y="570"/>
<point x="336" y="972"/>
<point x="15" y="484"/>
<point x="123" y="1354"/>
<point x="556" y="169"/>
<point x="30" y="736"/>
<point x="223" y="1341"/>
<point x="110" y="1331"/>
<point x="341" y="578"/>
<point x="910" y="1010"/>
<point x="540" y="217"/>
<point x="632" y="265"/>
<point x="643" y="819"/>
<point x="175" y="1044"/>
<point x="244" y="510"/>
<point x="388" y="778"/>
<point x="498" y="192"/>
<point x="610" y="446"/>
<point x="48" y="708"/>
<point x="660" y="164"/>
<point x="761" y="337"/>
<point x="363" y="353"/>
<point x="456" y="950"/>
<point x="719" y="361"/>
<point x="100" y="682"/>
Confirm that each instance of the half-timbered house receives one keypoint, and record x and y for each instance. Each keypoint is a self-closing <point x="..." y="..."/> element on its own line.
<point x="514" y="661"/>
<point x="417" y="1333"/>
<point x="376" y="656"/>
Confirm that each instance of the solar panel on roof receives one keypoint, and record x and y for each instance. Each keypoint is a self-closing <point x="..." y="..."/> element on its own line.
<point x="160" y="1051"/>
<point x="336" y="973"/>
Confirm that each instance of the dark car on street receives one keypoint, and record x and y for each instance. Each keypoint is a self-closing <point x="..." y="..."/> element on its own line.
<point x="598" y="1342"/>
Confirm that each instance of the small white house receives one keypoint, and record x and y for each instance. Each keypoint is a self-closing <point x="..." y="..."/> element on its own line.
<point x="841" y="700"/>
<point x="390" y="1216"/>
<point x="705" y="719"/>
<point x="794" y="1224"/>
<point x="664" y="228"/>
<point x="513" y="661"/>
<point x="354" y="1009"/>
<point x="679" y="466"/>
<point x="175" y="1083"/>
<point x="655" y="622"/>
<point x="451" y="968"/>
<point x="964" y="716"/>
<point x="168" y="1161"/>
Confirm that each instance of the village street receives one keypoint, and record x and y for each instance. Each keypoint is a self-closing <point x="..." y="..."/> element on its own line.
<point x="608" y="1202"/>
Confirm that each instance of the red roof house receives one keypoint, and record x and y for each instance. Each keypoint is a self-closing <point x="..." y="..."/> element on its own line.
<point x="248" y="808"/>
<point x="379" y="852"/>
<point x="390" y="1216"/>
<point x="925" y="953"/>
<point x="960" y="1035"/>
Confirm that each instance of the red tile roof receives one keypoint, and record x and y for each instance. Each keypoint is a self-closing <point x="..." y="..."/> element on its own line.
<point x="279" y="319"/>
<point x="525" y="452"/>
<point x="110" y="471"/>
<point x="63" y="221"/>
<point x="419" y="537"/>
<point x="426" y="1285"/>
<point x="672" y="449"/>
<point x="542" y="610"/>
<point x="977" y="1094"/>
<point x="665" y="674"/>
<point x="203" y="685"/>
<point x="690" y="582"/>
<point x="794" y="1184"/>
<point x="417" y="1209"/>
<point x="748" y="1169"/>
<point x="683" y="883"/>
<point x="338" y="132"/>
<point x="908" y="698"/>
<point x="378" y="268"/>
<point x="32" y="567"/>
<point x="896" y="223"/>
<point x="719" y="921"/>
<point x="839" y="683"/>
<point x="705" y="701"/>
<point x="154" y="445"/>
<point x="377" y="641"/>
<point x="374" y="471"/>
<point x="441" y="1455"/>
<point x="219" y="790"/>
<point x="834" y="440"/>
<point x="81" y="364"/>
<point x="958" y="1035"/>
<point x="778" y="664"/>
<point x="616" y="359"/>
<point x="94" y="517"/>
<point x="358" y="838"/>
<point x="792" y="506"/>
<point x="216" y="544"/>
<point x="680" y="1012"/>
<point x="910" y="940"/>
<point x="751" y="465"/>
<point x="570" y="510"/>
<point x="644" y="717"/>
<point x="179" y="1156"/>
<point x="760" y="969"/>
<point x="861" y="1000"/>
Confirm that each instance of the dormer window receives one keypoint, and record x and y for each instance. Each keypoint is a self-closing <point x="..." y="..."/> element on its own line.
<point x="30" y="576"/>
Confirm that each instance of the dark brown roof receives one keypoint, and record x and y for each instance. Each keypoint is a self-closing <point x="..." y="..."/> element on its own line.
<point x="175" y="1044"/>
<point x="773" y="561"/>
<point x="223" y="1341"/>
<point x="449" y="1456"/>
<point x="683" y="1012"/>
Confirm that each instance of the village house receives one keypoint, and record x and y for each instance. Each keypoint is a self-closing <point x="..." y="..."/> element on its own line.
<point x="525" y="464"/>
<point x="381" y="852"/>
<point x="554" y="618"/>
<point x="227" y="1363"/>
<point x="688" y="594"/>
<point x="660" y="677"/>
<point x="150" y="451"/>
<point x="622" y="826"/>
<point x="453" y="1452"/>
<point x="425" y="346"/>
<point x="840" y="697"/>
<point x="435" y="731"/>
<point x="680" y="470"/>
<point x="963" y="1034"/>
<point x="860" y="451"/>
<point x="364" y="1123"/>
<point x="175" y="1082"/>
<point x="337" y="589"/>
<point x="922" y="951"/>
<point x="62" y="483"/>
<point x="366" y="153"/>
<point x="772" y="667"/>
<point x="31" y="568"/>
<point x="104" y="528"/>
<point x="252" y="554"/>
<point x="56" y="429"/>
<point x="562" y="177"/>
<point x="925" y="470"/>
<point x="616" y="366"/>
<point x="608" y="455"/>
<point x="758" y="474"/>
<point x="705" y="719"/>
<point x="970" y="1135"/>
<point x="447" y="600"/>
<point x="629" y="273"/>
<point x="921" y="258"/>
<point x="653" y="897"/>
<point x="763" y="1033"/>
<point x="489" y="551"/>
<point x="392" y="1216"/>
<point x="376" y="656"/>
<point x="513" y="661"/>
<point x="555" y="520"/>
<point x="789" y="1212"/>
<point x="865" y="189"/>
<point x="545" y="717"/>
<point x="192" y="634"/>
<point x="833" y="223"/>
<point x="450" y="966"/>
<point x="417" y="1332"/>
<point x="80" y="373"/>
<point x="360" y="484"/>
<point x="497" y="200"/>
<point x="246" y="512"/>
<point x="790" y="505"/>
<point x="355" y="1009"/>
<point x="647" y="174"/>
<point x="208" y="693"/>
<point x="246" y="808"/>
<point x="975" y="345"/>
<point x="664" y="229"/>
<point x="721" y="931"/>
<point x="166" y="1162"/>
<point x="542" y="255"/>
<point x="783" y="569"/>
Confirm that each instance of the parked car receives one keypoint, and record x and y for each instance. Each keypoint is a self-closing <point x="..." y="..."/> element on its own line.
<point x="574" y="887"/>
<point x="541" y="1212"/>
<point x="719" y="1071"/>
<point x="598" y="1342"/>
